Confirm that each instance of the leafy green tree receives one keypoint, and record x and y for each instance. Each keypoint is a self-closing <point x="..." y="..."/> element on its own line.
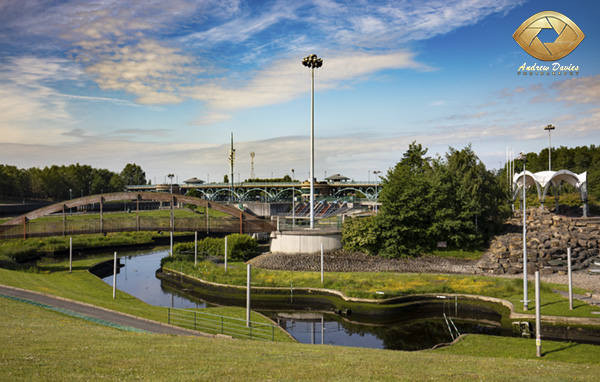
<point x="133" y="174"/>
<point x="405" y="214"/>
<point x="116" y="184"/>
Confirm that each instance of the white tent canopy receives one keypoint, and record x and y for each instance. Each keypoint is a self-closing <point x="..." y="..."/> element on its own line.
<point x="544" y="179"/>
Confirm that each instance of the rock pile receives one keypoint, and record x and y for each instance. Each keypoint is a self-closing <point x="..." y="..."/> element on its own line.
<point x="346" y="261"/>
<point x="548" y="237"/>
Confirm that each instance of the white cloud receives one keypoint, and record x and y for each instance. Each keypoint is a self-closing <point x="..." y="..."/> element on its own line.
<point x="153" y="72"/>
<point x="286" y="79"/>
<point x="30" y="109"/>
<point x="579" y="90"/>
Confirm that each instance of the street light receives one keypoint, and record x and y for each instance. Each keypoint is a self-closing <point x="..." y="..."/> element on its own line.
<point x="549" y="128"/>
<point x="376" y="196"/>
<point x="170" y="176"/>
<point x="523" y="158"/>
<point x="293" y="199"/>
<point x="312" y="62"/>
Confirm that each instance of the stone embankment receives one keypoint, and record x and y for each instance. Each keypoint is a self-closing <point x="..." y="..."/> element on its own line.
<point x="548" y="237"/>
<point x="345" y="261"/>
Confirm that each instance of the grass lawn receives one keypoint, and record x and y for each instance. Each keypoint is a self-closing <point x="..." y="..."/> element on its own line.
<point x="39" y="344"/>
<point x="80" y="285"/>
<point x="366" y="284"/>
<point x="457" y="254"/>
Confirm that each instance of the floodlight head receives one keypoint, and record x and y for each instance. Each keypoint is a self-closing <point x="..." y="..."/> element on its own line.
<point x="549" y="127"/>
<point x="312" y="61"/>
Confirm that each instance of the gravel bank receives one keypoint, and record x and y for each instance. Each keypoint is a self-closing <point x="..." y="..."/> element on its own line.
<point x="343" y="261"/>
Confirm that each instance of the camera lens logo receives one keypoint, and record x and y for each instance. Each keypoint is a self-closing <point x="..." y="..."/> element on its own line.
<point x="568" y="36"/>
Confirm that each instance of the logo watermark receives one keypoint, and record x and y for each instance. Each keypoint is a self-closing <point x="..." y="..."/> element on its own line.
<point x="568" y="36"/>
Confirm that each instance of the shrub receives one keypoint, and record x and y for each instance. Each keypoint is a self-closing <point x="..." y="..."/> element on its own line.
<point x="213" y="246"/>
<point x="241" y="247"/>
<point x="361" y="234"/>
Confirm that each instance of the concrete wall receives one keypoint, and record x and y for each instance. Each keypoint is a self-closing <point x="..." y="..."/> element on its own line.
<point x="268" y="209"/>
<point x="305" y="241"/>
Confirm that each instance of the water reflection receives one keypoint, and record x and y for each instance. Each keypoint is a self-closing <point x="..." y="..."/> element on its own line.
<point x="137" y="277"/>
<point x="422" y="329"/>
<point x="417" y="334"/>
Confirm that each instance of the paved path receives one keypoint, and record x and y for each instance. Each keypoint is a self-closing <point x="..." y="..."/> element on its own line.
<point x="97" y="314"/>
<point x="591" y="299"/>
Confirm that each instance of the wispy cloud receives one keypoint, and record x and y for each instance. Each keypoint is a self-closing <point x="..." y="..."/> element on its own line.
<point x="579" y="90"/>
<point x="285" y="79"/>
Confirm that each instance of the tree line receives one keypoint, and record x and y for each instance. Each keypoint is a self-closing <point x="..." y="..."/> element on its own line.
<point x="64" y="182"/>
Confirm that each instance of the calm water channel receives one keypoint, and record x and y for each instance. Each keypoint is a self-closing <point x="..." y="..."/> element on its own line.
<point x="137" y="278"/>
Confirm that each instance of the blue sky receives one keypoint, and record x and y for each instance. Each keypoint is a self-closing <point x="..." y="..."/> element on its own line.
<point x="164" y="83"/>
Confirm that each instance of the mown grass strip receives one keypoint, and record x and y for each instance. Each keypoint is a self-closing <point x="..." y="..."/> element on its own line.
<point x="379" y="285"/>
<point x="44" y="345"/>
<point x="53" y="278"/>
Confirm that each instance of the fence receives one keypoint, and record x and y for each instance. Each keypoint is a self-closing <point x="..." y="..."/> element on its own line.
<point x="77" y="226"/>
<point x="287" y="223"/>
<point x="216" y="324"/>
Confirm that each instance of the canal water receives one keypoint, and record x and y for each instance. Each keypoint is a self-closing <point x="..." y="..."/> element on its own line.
<point x="137" y="277"/>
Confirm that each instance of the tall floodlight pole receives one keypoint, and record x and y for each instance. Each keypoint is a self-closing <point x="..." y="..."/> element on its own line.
<point x="231" y="161"/>
<point x="523" y="158"/>
<point x="312" y="62"/>
<point x="549" y="128"/>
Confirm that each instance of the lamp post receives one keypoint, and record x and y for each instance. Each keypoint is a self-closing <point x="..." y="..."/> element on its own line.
<point x="549" y="128"/>
<point x="376" y="196"/>
<point x="170" y="176"/>
<point x="70" y="198"/>
<point x="293" y="199"/>
<point x="523" y="158"/>
<point x="312" y="62"/>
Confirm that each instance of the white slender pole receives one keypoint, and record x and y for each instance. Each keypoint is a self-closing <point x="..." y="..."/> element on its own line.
<point x="322" y="330"/>
<point x="115" y="276"/>
<point x="321" y="263"/>
<point x="525" y="302"/>
<point x="538" y="324"/>
<point x="312" y="148"/>
<point x="570" y="279"/>
<point x="248" y="276"/>
<point x="171" y="243"/>
<point x="195" y="248"/>
<point x="225" y="254"/>
<point x="70" y="254"/>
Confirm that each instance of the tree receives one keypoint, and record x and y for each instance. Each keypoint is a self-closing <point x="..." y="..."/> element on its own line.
<point x="405" y="205"/>
<point x="133" y="174"/>
<point x="424" y="201"/>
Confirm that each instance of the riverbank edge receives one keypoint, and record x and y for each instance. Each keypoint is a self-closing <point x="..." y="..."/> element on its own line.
<point x="562" y="320"/>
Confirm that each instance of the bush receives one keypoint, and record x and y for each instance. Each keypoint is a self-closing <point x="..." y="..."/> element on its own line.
<point x="361" y="234"/>
<point x="241" y="247"/>
<point x="213" y="246"/>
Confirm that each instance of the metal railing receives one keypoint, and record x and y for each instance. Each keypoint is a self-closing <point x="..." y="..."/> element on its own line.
<point x="217" y="324"/>
<point x="94" y="225"/>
